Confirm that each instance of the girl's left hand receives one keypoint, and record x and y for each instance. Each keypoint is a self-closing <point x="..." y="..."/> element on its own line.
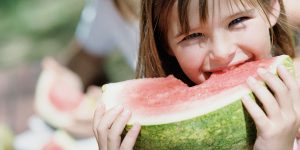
<point x="277" y="124"/>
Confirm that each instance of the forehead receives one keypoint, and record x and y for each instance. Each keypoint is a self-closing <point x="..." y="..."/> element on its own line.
<point x="200" y="11"/>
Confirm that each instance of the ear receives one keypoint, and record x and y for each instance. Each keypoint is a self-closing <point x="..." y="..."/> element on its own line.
<point x="274" y="13"/>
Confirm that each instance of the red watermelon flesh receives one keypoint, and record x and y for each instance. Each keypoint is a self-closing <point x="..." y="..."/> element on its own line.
<point x="52" y="145"/>
<point x="165" y="98"/>
<point x="156" y="94"/>
<point x="65" y="97"/>
<point x="60" y="140"/>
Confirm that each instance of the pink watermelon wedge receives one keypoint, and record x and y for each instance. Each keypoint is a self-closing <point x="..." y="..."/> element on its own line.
<point x="60" y="141"/>
<point x="205" y="116"/>
<point x="59" y="92"/>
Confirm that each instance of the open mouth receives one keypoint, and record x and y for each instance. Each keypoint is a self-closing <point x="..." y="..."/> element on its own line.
<point x="224" y="69"/>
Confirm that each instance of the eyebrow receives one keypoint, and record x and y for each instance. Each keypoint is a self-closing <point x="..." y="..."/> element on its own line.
<point x="240" y="13"/>
<point x="230" y="16"/>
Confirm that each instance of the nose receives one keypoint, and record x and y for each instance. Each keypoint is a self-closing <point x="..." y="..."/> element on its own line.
<point x="222" y="49"/>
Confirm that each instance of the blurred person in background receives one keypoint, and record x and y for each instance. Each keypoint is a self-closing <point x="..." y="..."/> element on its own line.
<point x="105" y="26"/>
<point x="293" y="12"/>
<point x="293" y="15"/>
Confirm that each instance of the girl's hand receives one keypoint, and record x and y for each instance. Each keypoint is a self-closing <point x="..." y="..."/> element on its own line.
<point x="108" y="127"/>
<point x="277" y="124"/>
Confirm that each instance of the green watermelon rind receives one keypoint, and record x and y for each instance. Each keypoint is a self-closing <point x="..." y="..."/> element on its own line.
<point x="213" y="130"/>
<point x="210" y="131"/>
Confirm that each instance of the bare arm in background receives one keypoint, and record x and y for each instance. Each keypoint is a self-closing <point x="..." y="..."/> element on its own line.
<point x="292" y="8"/>
<point x="90" y="69"/>
<point x="87" y="66"/>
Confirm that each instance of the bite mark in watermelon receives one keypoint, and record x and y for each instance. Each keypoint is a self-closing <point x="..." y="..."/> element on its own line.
<point x="205" y="116"/>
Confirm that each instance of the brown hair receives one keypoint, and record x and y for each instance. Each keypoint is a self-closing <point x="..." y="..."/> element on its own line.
<point x="153" y="59"/>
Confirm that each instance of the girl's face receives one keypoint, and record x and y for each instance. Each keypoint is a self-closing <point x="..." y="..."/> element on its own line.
<point x="232" y="34"/>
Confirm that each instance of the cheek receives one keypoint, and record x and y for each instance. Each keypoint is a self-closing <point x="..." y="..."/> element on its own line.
<point x="262" y="49"/>
<point x="191" y="59"/>
<point x="256" y="42"/>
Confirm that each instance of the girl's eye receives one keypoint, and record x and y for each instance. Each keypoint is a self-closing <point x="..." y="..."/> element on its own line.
<point x="193" y="36"/>
<point x="237" y="21"/>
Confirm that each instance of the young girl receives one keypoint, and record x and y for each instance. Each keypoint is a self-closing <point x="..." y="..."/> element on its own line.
<point x="192" y="39"/>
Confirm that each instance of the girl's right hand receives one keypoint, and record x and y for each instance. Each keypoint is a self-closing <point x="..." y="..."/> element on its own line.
<point x="278" y="121"/>
<point x="108" y="127"/>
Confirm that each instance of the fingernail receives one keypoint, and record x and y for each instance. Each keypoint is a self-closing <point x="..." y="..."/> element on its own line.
<point x="136" y="127"/>
<point x="251" y="80"/>
<point x="261" y="71"/>
<point x="282" y="68"/>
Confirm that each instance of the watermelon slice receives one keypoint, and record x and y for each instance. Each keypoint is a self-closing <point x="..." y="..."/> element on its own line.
<point x="59" y="92"/>
<point x="205" y="116"/>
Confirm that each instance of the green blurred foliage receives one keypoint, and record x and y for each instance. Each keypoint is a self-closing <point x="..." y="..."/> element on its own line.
<point x="32" y="29"/>
<point x="7" y="4"/>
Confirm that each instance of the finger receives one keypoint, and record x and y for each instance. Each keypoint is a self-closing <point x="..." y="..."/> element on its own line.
<point x="279" y="88"/>
<point x="297" y="70"/>
<point x="294" y="90"/>
<point x="114" y="137"/>
<point x="48" y="63"/>
<point x="286" y="77"/>
<point x="98" y="114"/>
<point x="99" y="96"/>
<point x="109" y="117"/>
<point x="106" y="123"/>
<point x="265" y="97"/>
<point x="130" y="138"/>
<point x="291" y="84"/>
<point x="259" y="117"/>
<point x="94" y="92"/>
